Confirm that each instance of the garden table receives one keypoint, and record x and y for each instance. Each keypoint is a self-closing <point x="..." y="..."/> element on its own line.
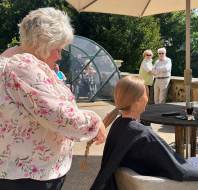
<point x="185" y="131"/>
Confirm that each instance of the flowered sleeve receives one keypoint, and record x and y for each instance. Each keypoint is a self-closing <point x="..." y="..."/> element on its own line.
<point x="33" y="87"/>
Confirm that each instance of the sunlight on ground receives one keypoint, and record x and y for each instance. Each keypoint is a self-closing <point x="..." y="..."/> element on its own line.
<point x="165" y="131"/>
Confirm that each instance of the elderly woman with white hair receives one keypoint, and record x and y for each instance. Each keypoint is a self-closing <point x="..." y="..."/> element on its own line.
<point x="162" y="72"/>
<point x="39" y="118"/>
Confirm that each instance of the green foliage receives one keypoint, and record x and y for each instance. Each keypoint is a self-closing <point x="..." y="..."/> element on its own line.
<point x="194" y="33"/>
<point x="14" y="42"/>
<point x="172" y="29"/>
<point x="12" y="12"/>
<point x="123" y="37"/>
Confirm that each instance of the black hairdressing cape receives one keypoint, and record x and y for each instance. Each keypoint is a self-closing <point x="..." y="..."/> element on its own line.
<point x="133" y="145"/>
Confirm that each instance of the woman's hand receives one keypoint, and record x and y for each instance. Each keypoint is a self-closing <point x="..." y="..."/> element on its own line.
<point x="101" y="136"/>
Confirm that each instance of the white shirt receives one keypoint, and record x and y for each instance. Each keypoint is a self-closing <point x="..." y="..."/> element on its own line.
<point x="147" y="65"/>
<point x="162" y="68"/>
<point x="39" y="120"/>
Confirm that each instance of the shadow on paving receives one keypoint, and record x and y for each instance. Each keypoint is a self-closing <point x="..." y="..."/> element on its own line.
<point x="167" y="129"/>
<point x="82" y="180"/>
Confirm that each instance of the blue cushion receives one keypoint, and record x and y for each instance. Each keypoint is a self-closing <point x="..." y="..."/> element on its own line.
<point x="193" y="161"/>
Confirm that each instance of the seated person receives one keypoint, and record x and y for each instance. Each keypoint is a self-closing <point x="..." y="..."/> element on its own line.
<point x="133" y="145"/>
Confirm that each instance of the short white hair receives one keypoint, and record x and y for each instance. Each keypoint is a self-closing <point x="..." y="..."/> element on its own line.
<point x="45" y="29"/>
<point x="161" y="50"/>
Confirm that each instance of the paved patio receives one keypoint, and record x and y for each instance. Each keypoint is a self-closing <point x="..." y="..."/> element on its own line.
<point x="81" y="180"/>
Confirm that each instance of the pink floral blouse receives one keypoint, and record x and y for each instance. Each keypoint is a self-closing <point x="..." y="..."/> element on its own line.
<point x="39" y="120"/>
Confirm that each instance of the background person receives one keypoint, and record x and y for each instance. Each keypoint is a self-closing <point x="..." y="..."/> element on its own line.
<point x="133" y="145"/>
<point x="146" y="70"/>
<point x="59" y="73"/>
<point x="162" y="72"/>
<point x="39" y="117"/>
<point x="89" y="74"/>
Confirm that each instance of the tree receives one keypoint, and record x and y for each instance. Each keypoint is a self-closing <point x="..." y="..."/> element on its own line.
<point x="194" y="33"/>
<point x="12" y="12"/>
<point x="123" y="37"/>
<point x="172" y="29"/>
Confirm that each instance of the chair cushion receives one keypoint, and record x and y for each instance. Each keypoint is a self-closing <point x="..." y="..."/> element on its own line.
<point x="128" y="179"/>
<point x="193" y="161"/>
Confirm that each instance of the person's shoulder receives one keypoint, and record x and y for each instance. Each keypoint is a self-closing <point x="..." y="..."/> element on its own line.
<point x="127" y="125"/>
<point x="125" y="128"/>
<point x="145" y="132"/>
<point x="26" y="62"/>
<point x="29" y="59"/>
<point x="137" y="126"/>
<point x="23" y="55"/>
<point x="168" y="59"/>
<point x="10" y="51"/>
<point x="144" y="61"/>
<point x="24" y="58"/>
<point x="140" y="132"/>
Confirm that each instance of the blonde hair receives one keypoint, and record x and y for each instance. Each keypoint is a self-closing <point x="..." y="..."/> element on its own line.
<point x="127" y="91"/>
<point x="44" y="29"/>
<point x="147" y="51"/>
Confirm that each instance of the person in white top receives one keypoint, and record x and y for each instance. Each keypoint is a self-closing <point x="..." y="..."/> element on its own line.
<point x="162" y="72"/>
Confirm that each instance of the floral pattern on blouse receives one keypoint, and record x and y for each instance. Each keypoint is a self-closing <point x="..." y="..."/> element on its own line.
<point x="39" y="120"/>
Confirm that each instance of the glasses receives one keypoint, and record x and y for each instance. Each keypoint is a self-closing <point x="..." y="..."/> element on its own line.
<point x="148" y="55"/>
<point x="160" y="53"/>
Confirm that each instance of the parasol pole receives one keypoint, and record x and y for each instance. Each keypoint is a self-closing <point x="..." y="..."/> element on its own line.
<point x="188" y="71"/>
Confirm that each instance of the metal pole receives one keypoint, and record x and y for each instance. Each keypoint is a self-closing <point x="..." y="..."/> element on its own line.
<point x="188" y="34"/>
<point x="188" y="71"/>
